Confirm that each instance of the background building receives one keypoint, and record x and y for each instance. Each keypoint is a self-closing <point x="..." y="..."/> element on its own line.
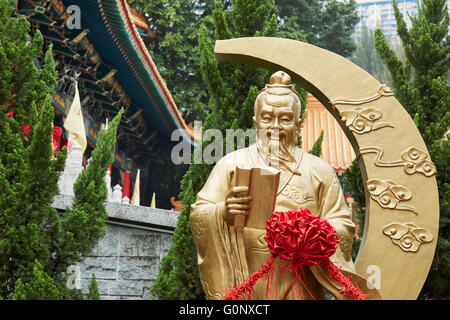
<point x="379" y="13"/>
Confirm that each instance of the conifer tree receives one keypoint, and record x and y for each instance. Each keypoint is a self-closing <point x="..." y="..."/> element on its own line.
<point x="36" y="244"/>
<point x="40" y="287"/>
<point x="420" y="85"/>
<point x="93" y="293"/>
<point x="317" y="146"/>
<point x="324" y="23"/>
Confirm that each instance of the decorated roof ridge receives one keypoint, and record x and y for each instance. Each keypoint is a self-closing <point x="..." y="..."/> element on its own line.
<point x="127" y="58"/>
<point x="139" y="21"/>
<point x="143" y="49"/>
<point x="106" y="76"/>
<point x="140" y="48"/>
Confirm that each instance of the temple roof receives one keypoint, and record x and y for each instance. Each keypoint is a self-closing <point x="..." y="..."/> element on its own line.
<point x="140" y="22"/>
<point x="116" y="67"/>
<point x="336" y="149"/>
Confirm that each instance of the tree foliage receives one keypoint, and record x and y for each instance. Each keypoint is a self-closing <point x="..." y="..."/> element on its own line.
<point x="93" y="293"/>
<point x="325" y="23"/>
<point x="366" y="57"/>
<point x="317" y="146"/>
<point x="40" y="287"/>
<point x="36" y="244"/>
<point x="420" y="85"/>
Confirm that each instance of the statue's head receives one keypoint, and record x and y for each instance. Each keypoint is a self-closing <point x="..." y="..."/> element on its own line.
<point x="277" y="118"/>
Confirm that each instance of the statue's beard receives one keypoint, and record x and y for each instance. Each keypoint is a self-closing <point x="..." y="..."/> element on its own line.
<point x="276" y="149"/>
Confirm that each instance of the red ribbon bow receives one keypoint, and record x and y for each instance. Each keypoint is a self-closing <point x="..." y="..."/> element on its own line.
<point x="305" y="238"/>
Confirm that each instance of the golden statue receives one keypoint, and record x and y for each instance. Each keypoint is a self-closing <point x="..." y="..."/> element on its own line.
<point x="305" y="181"/>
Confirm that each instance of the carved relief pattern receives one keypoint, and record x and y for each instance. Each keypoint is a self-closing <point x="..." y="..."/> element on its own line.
<point x="382" y="91"/>
<point x="389" y="194"/>
<point x="208" y="291"/>
<point x="346" y="246"/>
<point x="297" y="194"/>
<point x="363" y="120"/>
<point x="413" y="160"/>
<point x="407" y="236"/>
<point x="262" y="245"/>
<point x="198" y="225"/>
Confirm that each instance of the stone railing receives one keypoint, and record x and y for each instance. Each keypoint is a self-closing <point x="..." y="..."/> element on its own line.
<point x="125" y="262"/>
<point x="72" y="169"/>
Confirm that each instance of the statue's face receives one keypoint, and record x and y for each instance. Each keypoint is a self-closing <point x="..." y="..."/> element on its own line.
<point x="278" y="114"/>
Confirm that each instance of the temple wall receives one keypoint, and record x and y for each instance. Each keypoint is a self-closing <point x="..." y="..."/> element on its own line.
<point x="125" y="262"/>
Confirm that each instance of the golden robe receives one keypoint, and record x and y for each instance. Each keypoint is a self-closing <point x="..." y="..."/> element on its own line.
<point x="316" y="188"/>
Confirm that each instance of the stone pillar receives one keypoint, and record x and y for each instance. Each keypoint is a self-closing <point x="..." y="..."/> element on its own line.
<point x="72" y="169"/>
<point x="117" y="193"/>
<point x="108" y="183"/>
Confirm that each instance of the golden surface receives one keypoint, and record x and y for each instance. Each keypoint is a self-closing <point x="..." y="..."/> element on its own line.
<point x="372" y="119"/>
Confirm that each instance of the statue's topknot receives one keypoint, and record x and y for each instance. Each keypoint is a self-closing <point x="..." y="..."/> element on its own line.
<point x="280" y="78"/>
<point x="280" y="84"/>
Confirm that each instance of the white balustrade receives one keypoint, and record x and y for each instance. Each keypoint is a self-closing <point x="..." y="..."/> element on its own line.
<point x="117" y="193"/>
<point x="72" y="169"/>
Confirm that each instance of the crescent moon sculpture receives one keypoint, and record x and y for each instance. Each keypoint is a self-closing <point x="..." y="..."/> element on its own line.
<point x="402" y="204"/>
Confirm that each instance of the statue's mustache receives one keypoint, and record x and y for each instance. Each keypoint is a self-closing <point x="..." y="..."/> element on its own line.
<point x="274" y="134"/>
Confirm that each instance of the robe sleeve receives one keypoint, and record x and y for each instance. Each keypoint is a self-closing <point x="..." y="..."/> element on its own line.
<point x="211" y="232"/>
<point x="332" y="206"/>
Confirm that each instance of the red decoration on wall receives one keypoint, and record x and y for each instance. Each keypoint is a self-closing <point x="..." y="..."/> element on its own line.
<point x="305" y="238"/>
<point x="26" y="128"/>
<point x="126" y="184"/>
<point x="57" y="134"/>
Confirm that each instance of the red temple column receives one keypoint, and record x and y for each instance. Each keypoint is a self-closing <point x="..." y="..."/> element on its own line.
<point x="127" y="180"/>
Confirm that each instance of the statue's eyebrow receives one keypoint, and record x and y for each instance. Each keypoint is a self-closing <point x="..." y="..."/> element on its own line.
<point x="267" y="108"/>
<point x="287" y="112"/>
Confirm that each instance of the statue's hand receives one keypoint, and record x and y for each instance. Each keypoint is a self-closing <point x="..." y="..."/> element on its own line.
<point x="236" y="202"/>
